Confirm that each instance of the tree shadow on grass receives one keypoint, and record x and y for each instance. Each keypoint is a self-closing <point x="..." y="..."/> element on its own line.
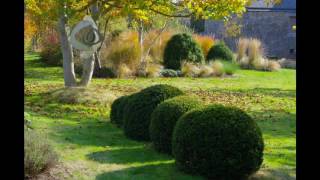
<point x="271" y="174"/>
<point x="280" y="124"/>
<point x="160" y="171"/>
<point x="275" y="92"/>
<point x="93" y="133"/>
<point x="168" y="171"/>
<point x="128" y="154"/>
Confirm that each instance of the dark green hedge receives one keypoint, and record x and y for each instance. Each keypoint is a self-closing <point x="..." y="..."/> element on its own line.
<point x="137" y="112"/>
<point x="164" y="118"/>
<point x="117" y="107"/>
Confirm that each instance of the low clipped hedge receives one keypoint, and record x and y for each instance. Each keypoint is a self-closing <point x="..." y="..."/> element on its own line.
<point x="220" y="51"/>
<point x="117" y="107"/>
<point x="182" y="47"/>
<point x="169" y="73"/>
<point x="137" y="112"/>
<point x="218" y="142"/>
<point x="164" y="118"/>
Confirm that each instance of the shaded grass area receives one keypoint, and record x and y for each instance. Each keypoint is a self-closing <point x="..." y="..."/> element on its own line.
<point x="91" y="147"/>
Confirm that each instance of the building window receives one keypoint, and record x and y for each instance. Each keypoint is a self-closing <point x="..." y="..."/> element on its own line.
<point x="293" y="23"/>
<point x="292" y="51"/>
<point x="294" y="28"/>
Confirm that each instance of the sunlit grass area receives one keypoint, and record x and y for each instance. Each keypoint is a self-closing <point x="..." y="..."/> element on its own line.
<point x="90" y="147"/>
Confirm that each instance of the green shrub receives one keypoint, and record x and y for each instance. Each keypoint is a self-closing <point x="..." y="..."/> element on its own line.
<point x="117" y="107"/>
<point x="51" y="55"/>
<point x="103" y="72"/>
<point x="38" y="154"/>
<point x="179" y="73"/>
<point x="181" y="47"/>
<point x="220" y="51"/>
<point x="169" y="73"/>
<point x="164" y="118"/>
<point x="230" y="67"/>
<point x="137" y="112"/>
<point x="218" y="142"/>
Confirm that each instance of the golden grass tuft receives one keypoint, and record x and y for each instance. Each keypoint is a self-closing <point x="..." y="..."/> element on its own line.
<point x="189" y="69"/>
<point x="205" y="71"/>
<point x="217" y="67"/>
<point x="255" y="51"/>
<point x="242" y="48"/>
<point x="153" y="70"/>
<point x="205" y="42"/>
<point x="274" y="66"/>
<point x="124" y="49"/>
<point x="123" y="71"/>
<point x="82" y="95"/>
<point x="157" y="49"/>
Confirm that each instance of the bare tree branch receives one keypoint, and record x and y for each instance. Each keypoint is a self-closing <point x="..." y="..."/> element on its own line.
<point x="171" y="15"/>
<point x="153" y="42"/>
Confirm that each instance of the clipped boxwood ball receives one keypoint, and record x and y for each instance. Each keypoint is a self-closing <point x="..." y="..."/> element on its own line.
<point x="181" y="47"/>
<point x="117" y="107"/>
<point x="218" y="142"/>
<point x="137" y="112"/>
<point x="220" y="51"/>
<point x="164" y="118"/>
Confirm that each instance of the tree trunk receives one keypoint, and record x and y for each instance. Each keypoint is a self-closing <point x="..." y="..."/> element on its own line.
<point x="140" y="33"/>
<point x="88" y="68"/>
<point x="67" y="54"/>
<point x="142" y="66"/>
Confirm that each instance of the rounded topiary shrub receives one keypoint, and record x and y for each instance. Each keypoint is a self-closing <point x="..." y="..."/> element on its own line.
<point x="220" y="51"/>
<point x="181" y="47"/>
<point x="137" y="112"/>
<point x="117" y="107"/>
<point x="218" y="142"/>
<point x="164" y="118"/>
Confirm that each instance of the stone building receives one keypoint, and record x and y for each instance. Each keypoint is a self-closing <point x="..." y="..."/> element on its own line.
<point x="274" y="25"/>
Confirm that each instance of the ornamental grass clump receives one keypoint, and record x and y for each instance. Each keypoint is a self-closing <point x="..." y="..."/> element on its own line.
<point x="38" y="154"/>
<point x="189" y="69"/>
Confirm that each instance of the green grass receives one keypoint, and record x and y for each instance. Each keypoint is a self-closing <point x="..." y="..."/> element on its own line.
<point x="90" y="147"/>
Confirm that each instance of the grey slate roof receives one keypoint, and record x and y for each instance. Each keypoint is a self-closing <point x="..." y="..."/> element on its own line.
<point x="284" y="5"/>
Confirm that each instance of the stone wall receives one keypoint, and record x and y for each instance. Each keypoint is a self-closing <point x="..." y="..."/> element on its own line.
<point x="274" y="29"/>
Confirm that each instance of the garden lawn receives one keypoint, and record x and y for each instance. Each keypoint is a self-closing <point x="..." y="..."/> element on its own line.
<point x="90" y="147"/>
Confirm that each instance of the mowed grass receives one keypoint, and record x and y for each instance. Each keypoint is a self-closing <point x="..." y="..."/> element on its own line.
<point x="90" y="147"/>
